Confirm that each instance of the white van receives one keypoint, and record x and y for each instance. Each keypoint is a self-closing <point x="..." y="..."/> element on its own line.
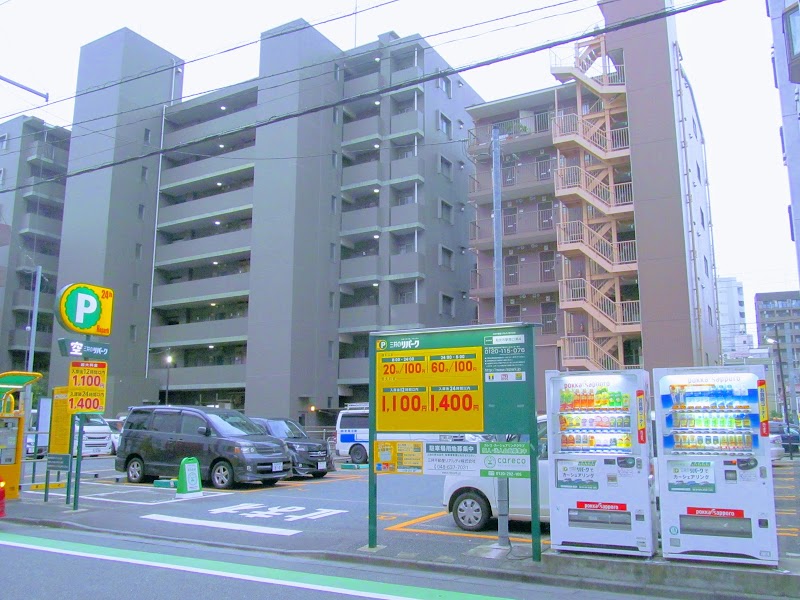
<point x="352" y="433"/>
<point x="96" y="437"/>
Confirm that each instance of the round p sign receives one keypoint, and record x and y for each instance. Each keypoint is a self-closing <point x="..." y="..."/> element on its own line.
<point x="85" y="308"/>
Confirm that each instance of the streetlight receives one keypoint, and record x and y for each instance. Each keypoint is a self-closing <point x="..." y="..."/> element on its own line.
<point x="166" y="393"/>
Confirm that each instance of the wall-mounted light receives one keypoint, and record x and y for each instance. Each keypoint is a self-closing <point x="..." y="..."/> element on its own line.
<point x="215" y="263"/>
<point x="375" y="284"/>
<point x="377" y="236"/>
<point x="222" y="145"/>
<point x="376" y="146"/>
<point x="219" y="184"/>
<point x="463" y="295"/>
<point x="460" y="83"/>
<point x="213" y="304"/>
<point x="211" y="346"/>
<point x="377" y="59"/>
<point x="217" y="222"/>
<point x="377" y="102"/>
<point x="223" y="108"/>
<point x="376" y="190"/>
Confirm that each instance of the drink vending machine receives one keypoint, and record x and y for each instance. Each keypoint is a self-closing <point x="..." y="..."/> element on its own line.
<point x="601" y="491"/>
<point x="714" y="467"/>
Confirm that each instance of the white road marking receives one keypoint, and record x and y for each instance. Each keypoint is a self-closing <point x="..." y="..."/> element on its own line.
<point x="219" y="525"/>
<point x="97" y="498"/>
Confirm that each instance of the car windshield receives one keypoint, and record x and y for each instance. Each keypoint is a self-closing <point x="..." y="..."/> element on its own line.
<point x="93" y="420"/>
<point x="285" y="429"/>
<point x="233" y="423"/>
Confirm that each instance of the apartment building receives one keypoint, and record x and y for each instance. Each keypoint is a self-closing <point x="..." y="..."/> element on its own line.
<point x="33" y="155"/>
<point x="606" y="224"/>
<point x="252" y="259"/>
<point x="732" y="320"/>
<point x="785" y="20"/>
<point x="778" y="326"/>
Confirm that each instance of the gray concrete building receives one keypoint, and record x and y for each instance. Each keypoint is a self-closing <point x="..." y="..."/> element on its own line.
<point x="778" y="325"/>
<point x="33" y="155"/>
<point x="732" y="320"/>
<point x="607" y="238"/>
<point x="252" y="259"/>
<point x="785" y="19"/>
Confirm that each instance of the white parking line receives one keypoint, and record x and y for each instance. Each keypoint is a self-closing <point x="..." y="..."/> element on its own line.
<point x="219" y="525"/>
<point x="97" y="497"/>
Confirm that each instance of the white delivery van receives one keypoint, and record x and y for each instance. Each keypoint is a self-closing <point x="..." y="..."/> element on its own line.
<point x="352" y="433"/>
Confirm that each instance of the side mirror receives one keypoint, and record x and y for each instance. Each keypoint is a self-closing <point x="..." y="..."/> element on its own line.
<point x="203" y="430"/>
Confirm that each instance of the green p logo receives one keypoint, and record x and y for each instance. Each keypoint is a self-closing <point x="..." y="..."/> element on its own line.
<point x="86" y="308"/>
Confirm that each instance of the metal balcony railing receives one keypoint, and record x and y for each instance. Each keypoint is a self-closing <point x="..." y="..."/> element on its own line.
<point x="577" y="232"/>
<point x="618" y="195"/>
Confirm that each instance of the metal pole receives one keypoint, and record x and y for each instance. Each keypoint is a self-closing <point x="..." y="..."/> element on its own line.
<point x="27" y="393"/>
<point x="783" y="389"/>
<point x="503" y="540"/>
<point x="26" y="88"/>
<point x="166" y="393"/>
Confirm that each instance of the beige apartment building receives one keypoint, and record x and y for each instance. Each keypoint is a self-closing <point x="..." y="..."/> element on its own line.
<point x="606" y="222"/>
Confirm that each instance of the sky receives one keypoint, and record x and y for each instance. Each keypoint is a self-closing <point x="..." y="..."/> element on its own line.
<point x="726" y="54"/>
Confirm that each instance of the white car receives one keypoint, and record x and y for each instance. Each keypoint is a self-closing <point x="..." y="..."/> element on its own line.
<point x="473" y="500"/>
<point x="776" y="449"/>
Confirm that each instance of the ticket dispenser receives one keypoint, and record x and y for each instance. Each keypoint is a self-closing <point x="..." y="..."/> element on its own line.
<point x="12" y="444"/>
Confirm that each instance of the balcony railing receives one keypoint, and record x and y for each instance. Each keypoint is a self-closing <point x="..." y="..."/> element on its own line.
<point x="610" y="197"/>
<point x="540" y="171"/>
<point x="577" y="232"/>
<point x="531" y="221"/>
<point x="620" y="313"/>
<point x="588" y="58"/>
<point x="572" y="124"/>
<point x="580" y="347"/>
<point x="523" y="274"/>
<point x="512" y="128"/>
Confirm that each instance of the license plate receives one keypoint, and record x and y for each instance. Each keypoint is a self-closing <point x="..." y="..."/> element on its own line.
<point x="277" y="466"/>
<point x="322" y="465"/>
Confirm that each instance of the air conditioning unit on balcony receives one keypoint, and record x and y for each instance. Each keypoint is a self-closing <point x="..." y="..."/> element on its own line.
<point x="548" y="299"/>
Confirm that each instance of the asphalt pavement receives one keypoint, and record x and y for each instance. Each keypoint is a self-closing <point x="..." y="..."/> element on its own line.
<point x="327" y="519"/>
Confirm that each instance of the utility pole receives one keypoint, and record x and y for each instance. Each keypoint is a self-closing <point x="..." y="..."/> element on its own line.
<point x="28" y="391"/>
<point x="783" y="387"/>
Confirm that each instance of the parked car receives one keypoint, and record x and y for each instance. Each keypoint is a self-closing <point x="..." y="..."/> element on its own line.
<point x="310" y="456"/>
<point x="96" y="437"/>
<point x="473" y="500"/>
<point x="776" y="451"/>
<point x="790" y="436"/>
<point x="116" y="431"/>
<point x="228" y="445"/>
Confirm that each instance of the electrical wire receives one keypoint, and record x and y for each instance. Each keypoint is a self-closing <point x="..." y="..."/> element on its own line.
<point x="386" y="89"/>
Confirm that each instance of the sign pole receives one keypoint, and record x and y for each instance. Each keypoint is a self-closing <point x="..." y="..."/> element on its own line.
<point x="71" y="446"/>
<point x="78" y="462"/>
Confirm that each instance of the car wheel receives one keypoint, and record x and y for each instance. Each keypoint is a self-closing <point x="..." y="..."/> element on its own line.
<point x="222" y="475"/>
<point x="471" y="511"/>
<point x="136" y="470"/>
<point x="358" y="454"/>
<point x="319" y="474"/>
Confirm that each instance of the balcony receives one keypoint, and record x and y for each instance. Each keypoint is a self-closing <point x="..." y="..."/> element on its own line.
<point x="359" y="267"/>
<point x="358" y="318"/>
<point x="362" y="175"/>
<point x="208" y="168"/>
<point x="528" y="227"/>
<point x="231" y="121"/>
<point x="42" y="154"/>
<point x="199" y="333"/>
<point x="201" y="290"/>
<point x="48" y="263"/>
<point x="353" y="370"/>
<point x="203" y="249"/>
<point x="407" y="123"/>
<point x="525" y="133"/>
<point x="41" y="226"/>
<point x="411" y="263"/>
<point x="406" y="316"/>
<point x="41" y="190"/>
<point x="19" y="339"/>
<point x="587" y="62"/>
<point x="615" y="316"/>
<point x="407" y="74"/>
<point x="517" y="181"/>
<point x="360" y="85"/>
<point x="577" y="238"/>
<point x="609" y="199"/>
<point x="363" y="129"/>
<point x="406" y="214"/>
<point x="203" y="378"/>
<point x="234" y="202"/>
<point x="403" y="169"/>
<point x="531" y="277"/>
<point x="582" y="352"/>
<point x="360" y="219"/>
<point x="23" y="301"/>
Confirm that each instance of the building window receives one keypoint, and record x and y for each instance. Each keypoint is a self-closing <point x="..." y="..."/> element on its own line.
<point x="445" y="167"/>
<point x="147" y="136"/>
<point x="446" y="85"/>
<point x="138" y="252"/>
<point x="336" y="72"/>
<point x="446" y="126"/>
<point x="445" y="211"/>
<point x="694" y="126"/>
<point x="335" y="115"/>
<point x="702" y="218"/>
<point x="132" y="333"/>
<point x="446" y="258"/>
<point x="333" y="159"/>
<point x="2" y="176"/>
<point x="333" y="252"/>
<point x="135" y="290"/>
<point x="446" y="306"/>
<point x="330" y="349"/>
<point x="331" y="300"/>
<point x="144" y="174"/>
<point x="3" y="141"/>
<point x="705" y="263"/>
<point x="333" y="205"/>
<point x="710" y="316"/>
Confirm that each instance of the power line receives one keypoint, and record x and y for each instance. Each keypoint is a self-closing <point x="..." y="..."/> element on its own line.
<point x="427" y="37"/>
<point x="658" y="15"/>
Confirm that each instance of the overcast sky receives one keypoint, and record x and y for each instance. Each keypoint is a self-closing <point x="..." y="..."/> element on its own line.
<point x="726" y="50"/>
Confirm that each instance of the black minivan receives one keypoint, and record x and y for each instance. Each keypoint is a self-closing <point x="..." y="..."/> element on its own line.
<point x="228" y="445"/>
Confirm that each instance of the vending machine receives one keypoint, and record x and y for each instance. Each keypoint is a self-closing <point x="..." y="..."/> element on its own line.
<point x="601" y="489"/>
<point x="714" y="468"/>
